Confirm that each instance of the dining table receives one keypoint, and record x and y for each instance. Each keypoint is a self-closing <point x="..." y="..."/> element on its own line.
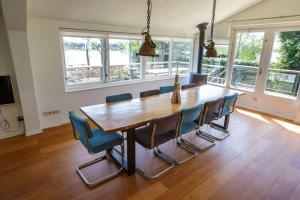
<point x="126" y="116"/>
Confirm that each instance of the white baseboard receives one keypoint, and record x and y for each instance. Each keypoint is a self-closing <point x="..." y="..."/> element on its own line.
<point x="33" y="132"/>
<point x="276" y="114"/>
<point x="56" y="124"/>
<point x="2" y="136"/>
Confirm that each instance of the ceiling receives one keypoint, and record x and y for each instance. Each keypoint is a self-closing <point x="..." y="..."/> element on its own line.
<point x="168" y="15"/>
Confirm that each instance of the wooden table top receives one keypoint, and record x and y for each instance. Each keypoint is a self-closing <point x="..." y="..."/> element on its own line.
<point x="136" y="112"/>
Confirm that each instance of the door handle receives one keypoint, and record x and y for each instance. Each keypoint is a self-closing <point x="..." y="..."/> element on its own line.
<point x="260" y="71"/>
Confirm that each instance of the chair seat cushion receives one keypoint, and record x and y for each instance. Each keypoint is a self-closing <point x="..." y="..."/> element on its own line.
<point x="188" y="127"/>
<point x="143" y="137"/>
<point x="101" y="141"/>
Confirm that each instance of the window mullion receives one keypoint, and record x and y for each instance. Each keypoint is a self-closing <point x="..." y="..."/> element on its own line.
<point x="170" y="57"/>
<point x="107" y="61"/>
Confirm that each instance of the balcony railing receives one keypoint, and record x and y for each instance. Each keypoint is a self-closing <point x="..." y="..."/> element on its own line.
<point x="132" y="71"/>
<point x="216" y="73"/>
<point x="279" y="80"/>
<point x="283" y="81"/>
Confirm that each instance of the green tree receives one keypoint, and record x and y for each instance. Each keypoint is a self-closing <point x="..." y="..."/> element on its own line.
<point x="289" y="51"/>
<point x="248" y="47"/>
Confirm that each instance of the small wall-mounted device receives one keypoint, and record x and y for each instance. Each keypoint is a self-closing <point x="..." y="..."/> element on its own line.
<point x="6" y="91"/>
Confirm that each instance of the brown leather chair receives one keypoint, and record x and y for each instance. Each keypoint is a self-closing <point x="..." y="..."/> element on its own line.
<point x="149" y="93"/>
<point x="187" y="86"/>
<point x="158" y="132"/>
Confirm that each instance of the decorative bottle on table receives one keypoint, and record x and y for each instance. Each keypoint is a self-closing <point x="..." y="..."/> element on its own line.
<point x="176" y="98"/>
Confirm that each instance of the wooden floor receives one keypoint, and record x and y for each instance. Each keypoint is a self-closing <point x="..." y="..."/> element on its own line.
<point x="260" y="160"/>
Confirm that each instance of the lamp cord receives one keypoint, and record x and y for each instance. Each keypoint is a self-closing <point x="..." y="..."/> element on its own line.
<point x="213" y="20"/>
<point x="5" y="125"/>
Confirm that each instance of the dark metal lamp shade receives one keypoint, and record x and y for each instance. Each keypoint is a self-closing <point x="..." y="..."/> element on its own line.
<point x="211" y="51"/>
<point x="148" y="47"/>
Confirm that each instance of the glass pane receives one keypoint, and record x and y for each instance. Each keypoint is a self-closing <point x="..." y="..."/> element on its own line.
<point x="158" y="66"/>
<point x="84" y="60"/>
<point x="283" y="76"/>
<point x="215" y="68"/>
<point x="248" y="49"/>
<point x="181" y="57"/>
<point x="124" y="63"/>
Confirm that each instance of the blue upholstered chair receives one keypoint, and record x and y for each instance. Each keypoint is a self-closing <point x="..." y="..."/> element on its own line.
<point x="166" y="89"/>
<point x="229" y="103"/>
<point x="190" y="121"/>
<point x="95" y="141"/>
<point x="119" y="97"/>
<point x="228" y="108"/>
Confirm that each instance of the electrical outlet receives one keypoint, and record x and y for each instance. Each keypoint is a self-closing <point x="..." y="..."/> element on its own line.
<point x="20" y="118"/>
<point x="50" y="112"/>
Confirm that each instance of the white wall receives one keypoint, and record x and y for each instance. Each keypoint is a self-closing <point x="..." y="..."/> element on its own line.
<point x="14" y="14"/>
<point x="46" y="61"/>
<point x="22" y="66"/>
<point x="6" y="68"/>
<point x="264" y="9"/>
<point x="268" y="8"/>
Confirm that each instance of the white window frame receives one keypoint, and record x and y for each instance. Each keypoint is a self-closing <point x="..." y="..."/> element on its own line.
<point x="112" y="35"/>
<point x="269" y="30"/>
<point x="175" y="39"/>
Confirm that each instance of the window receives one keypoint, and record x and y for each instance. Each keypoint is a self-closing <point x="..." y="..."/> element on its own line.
<point x="124" y="63"/>
<point x="284" y="71"/>
<point x="216" y="68"/>
<point x="158" y="66"/>
<point x="181" y="57"/>
<point x="84" y="60"/>
<point x="248" y="50"/>
<point x="95" y="59"/>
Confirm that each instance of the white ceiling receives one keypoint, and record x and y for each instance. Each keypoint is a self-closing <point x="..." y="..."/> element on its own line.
<point x="169" y="15"/>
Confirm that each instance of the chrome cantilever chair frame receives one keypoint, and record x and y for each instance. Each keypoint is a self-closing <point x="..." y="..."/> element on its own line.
<point x="190" y="145"/>
<point x="208" y="136"/>
<point x="92" y="162"/>
<point x="171" y="161"/>
<point x="164" y="157"/>
<point x="227" y="116"/>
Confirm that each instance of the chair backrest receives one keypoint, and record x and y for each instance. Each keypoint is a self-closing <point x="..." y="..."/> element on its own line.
<point x="191" y="114"/>
<point x="187" y="86"/>
<point x="163" y="125"/>
<point x="149" y="93"/>
<point x="80" y="127"/>
<point x="166" y="89"/>
<point x="229" y="101"/>
<point x="119" y="97"/>
<point x="212" y="110"/>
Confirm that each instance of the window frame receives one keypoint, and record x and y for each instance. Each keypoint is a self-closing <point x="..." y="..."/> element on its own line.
<point x="269" y="30"/>
<point x="88" y="35"/>
<point x="174" y="40"/>
<point x="113" y="35"/>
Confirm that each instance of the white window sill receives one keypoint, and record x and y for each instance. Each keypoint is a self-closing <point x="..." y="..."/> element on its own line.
<point x="283" y="96"/>
<point x="92" y="86"/>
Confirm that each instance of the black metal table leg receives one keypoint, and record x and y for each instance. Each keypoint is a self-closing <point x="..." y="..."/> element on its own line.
<point x="226" y="121"/>
<point x="225" y="125"/>
<point x="130" y="151"/>
<point x="129" y="163"/>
